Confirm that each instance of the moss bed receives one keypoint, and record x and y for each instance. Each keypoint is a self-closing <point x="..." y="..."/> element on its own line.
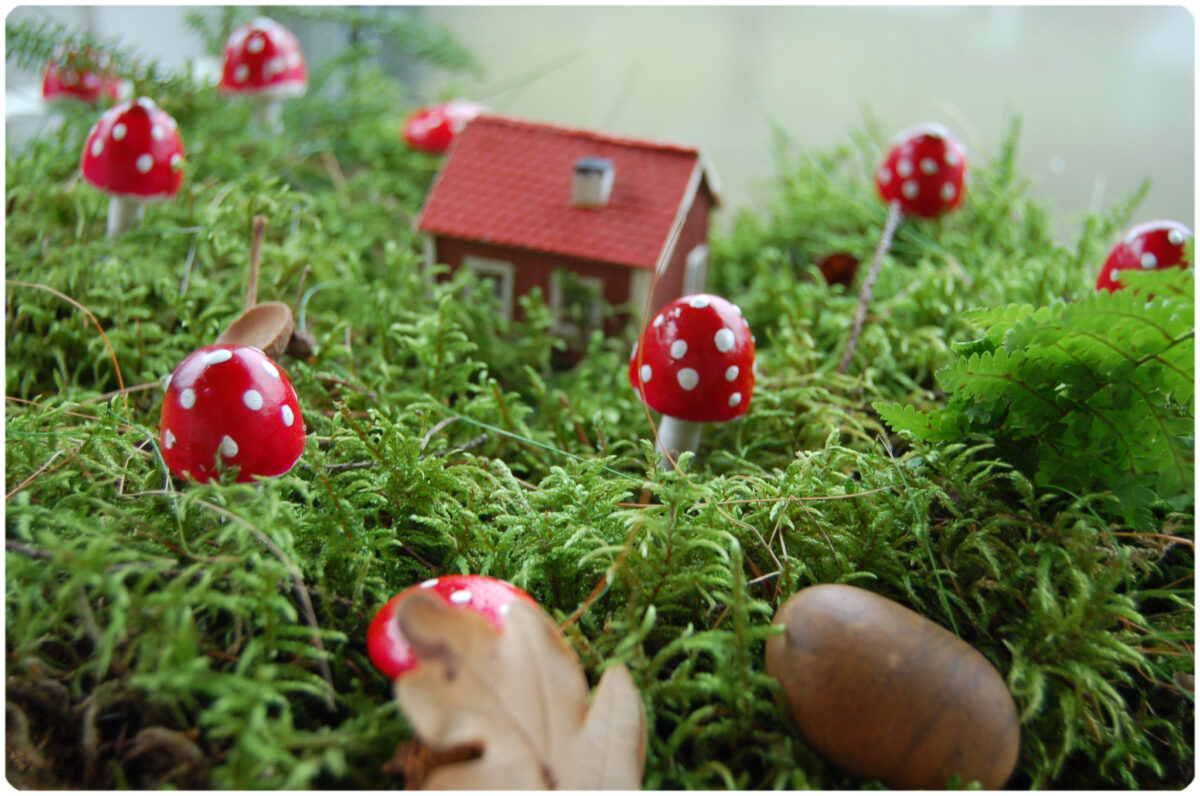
<point x="168" y="634"/>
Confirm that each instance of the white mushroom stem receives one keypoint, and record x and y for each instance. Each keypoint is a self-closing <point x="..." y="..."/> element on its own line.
<point x="268" y="114"/>
<point x="123" y="213"/>
<point x="676" y="436"/>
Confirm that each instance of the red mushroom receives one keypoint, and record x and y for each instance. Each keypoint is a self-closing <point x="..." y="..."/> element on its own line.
<point x="133" y="153"/>
<point x="924" y="174"/>
<point x="263" y="60"/>
<point x="230" y="406"/>
<point x="434" y="127"/>
<point x="1148" y="246"/>
<point x="694" y="364"/>
<point x="389" y="650"/>
<point x="68" y="78"/>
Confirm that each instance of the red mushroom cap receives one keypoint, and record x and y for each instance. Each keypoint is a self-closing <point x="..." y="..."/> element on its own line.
<point x="67" y="81"/>
<point x="263" y="58"/>
<point x="924" y="171"/>
<point x="695" y="360"/>
<point x="230" y="405"/>
<point x="1152" y="245"/>
<point x="134" y="151"/>
<point x="389" y="650"/>
<point x="434" y="127"/>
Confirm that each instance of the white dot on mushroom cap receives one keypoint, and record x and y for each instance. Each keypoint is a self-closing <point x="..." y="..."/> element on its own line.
<point x="724" y="340"/>
<point x="156" y="132"/>
<point x="168" y="439"/>
<point x="929" y="165"/>
<point x="910" y="189"/>
<point x="948" y="191"/>
<point x="699" y="302"/>
<point x="146" y="103"/>
<point x="216" y="357"/>
<point x="118" y="131"/>
<point x="167" y="381"/>
<point x="429" y="584"/>
<point x="172" y="123"/>
<point x="633" y="353"/>
<point x="289" y="416"/>
<point x="658" y="321"/>
<point x="460" y="597"/>
<point x="504" y="609"/>
<point x="1176" y="237"/>
<point x="253" y="400"/>
<point x="271" y="370"/>
<point x="176" y="162"/>
<point x="90" y="80"/>
<point x="735" y="399"/>
<point x="904" y="167"/>
<point x="255" y="44"/>
<point x="187" y="398"/>
<point x="885" y="176"/>
<point x="144" y="163"/>
<point x="229" y="448"/>
<point x="678" y="348"/>
<point x="1149" y="260"/>
<point x="951" y="157"/>
<point x="293" y="60"/>
<point x="688" y="378"/>
<point x="275" y="65"/>
<point x="731" y="373"/>
<point x="646" y="373"/>
<point x="754" y="369"/>
<point x="97" y="147"/>
<point x="241" y="73"/>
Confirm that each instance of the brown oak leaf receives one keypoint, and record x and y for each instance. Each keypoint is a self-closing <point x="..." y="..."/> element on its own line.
<point x="522" y="697"/>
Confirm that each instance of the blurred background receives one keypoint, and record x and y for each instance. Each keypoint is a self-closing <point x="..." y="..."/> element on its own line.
<point x="1105" y="94"/>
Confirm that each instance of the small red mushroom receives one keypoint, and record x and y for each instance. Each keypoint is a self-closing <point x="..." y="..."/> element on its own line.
<point x="262" y="60"/>
<point x="67" y="79"/>
<point x="434" y="127"/>
<point x="923" y="174"/>
<point x="230" y="406"/>
<point x="694" y="364"/>
<point x="133" y="153"/>
<point x="1148" y="246"/>
<point x="389" y="650"/>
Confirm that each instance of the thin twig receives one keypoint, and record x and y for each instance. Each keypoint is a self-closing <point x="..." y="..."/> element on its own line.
<point x="260" y="226"/>
<point x="107" y="343"/>
<point x="440" y="425"/>
<point x="299" y="588"/>
<point x="43" y="469"/>
<point x="864" y="295"/>
<point x="300" y="290"/>
<point x="335" y="170"/>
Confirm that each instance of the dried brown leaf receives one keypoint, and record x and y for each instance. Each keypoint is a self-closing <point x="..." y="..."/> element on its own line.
<point x="521" y="695"/>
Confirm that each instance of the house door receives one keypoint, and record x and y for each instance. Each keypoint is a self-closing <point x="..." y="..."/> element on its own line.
<point x="695" y="273"/>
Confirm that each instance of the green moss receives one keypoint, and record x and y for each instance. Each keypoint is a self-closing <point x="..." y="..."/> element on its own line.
<point x="226" y="623"/>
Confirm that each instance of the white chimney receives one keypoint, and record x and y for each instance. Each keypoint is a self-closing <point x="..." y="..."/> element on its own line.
<point x="593" y="182"/>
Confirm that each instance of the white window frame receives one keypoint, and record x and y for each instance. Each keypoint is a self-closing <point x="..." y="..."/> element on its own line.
<point x="640" y="281"/>
<point x="594" y="284"/>
<point x="501" y="271"/>
<point x="695" y="272"/>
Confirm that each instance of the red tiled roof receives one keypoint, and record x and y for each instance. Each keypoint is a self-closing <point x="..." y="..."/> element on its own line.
<point x="508" y="182"/>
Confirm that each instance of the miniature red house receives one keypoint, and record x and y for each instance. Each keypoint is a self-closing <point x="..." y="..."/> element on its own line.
<point x="580" y="214"/>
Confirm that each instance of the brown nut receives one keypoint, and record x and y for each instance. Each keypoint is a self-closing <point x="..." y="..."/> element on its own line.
<point x="267" y="326"/>
<point x="884" y="693"/>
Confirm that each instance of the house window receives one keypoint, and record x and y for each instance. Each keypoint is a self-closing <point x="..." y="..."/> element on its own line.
<point x="576" y="302"/>
<point x="497" y="273"/>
